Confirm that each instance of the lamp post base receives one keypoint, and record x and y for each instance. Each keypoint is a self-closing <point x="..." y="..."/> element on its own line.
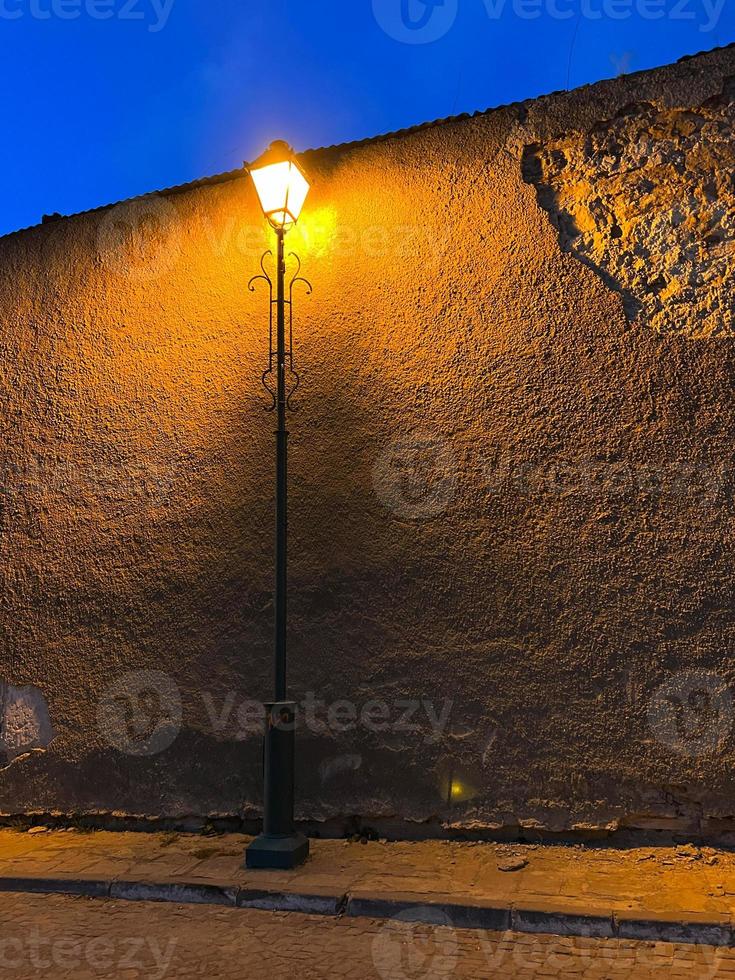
<point x="277" y="853"/>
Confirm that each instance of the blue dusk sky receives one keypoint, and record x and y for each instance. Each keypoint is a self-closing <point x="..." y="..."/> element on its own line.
<point x="106" y="99"/>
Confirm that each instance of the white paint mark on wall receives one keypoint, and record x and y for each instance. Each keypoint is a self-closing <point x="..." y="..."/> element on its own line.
<point x="25" y="725"/>
<point x="339" y="764"/>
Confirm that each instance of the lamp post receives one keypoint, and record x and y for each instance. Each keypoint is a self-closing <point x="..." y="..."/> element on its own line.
<point x="282" y="187"/>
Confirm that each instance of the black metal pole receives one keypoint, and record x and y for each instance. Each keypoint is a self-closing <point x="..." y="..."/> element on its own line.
<point x="279" y="846"/>
<point x="281" y="477"/>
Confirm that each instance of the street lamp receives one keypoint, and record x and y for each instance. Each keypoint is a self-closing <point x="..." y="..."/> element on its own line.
<point x="281" y="185"/>
<point x="282" y="188"/>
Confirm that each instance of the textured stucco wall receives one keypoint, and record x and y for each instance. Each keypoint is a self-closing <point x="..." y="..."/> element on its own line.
<point x="511" y="487"/>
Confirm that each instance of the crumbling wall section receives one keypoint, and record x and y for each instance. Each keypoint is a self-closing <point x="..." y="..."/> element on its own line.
<point x="647" y="199"/>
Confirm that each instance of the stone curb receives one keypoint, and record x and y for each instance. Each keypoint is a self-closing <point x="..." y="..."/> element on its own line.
<point x="439" y="910"/>
<point x="560" y="922"/>
<point x="88" y="887"/>
<point x="174" y="891"/>
<point x="279" y="901"/>
<point x="695" y="928"/>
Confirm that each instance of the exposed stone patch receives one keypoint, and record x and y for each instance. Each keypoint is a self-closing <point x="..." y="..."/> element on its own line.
<point x="25" y="722"/>
<point x="647" y="199"/>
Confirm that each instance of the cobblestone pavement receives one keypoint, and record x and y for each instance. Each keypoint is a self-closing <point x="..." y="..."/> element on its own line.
<point x="64" y="938"/>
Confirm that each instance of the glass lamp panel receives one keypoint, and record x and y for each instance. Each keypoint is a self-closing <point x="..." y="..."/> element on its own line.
<point x="272" y="185"/>
<point x="298" y="188"/>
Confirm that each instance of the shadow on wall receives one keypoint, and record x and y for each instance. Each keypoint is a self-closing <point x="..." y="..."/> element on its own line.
<point x="646" y="199"/>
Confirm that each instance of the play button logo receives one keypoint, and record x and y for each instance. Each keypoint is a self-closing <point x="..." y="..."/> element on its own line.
<point x="415" y="21"/>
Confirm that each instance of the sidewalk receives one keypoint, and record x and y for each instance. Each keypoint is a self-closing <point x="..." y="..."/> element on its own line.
<point x="684" y="894"/>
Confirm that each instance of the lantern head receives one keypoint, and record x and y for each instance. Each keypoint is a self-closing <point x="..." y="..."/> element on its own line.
<point x="281" y="185"/>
